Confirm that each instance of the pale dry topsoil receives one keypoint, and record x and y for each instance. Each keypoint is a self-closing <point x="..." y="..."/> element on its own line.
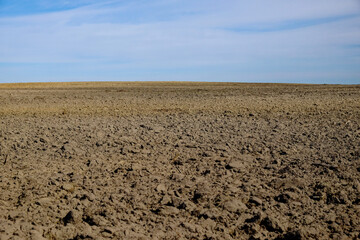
<point x="157" y="160"/>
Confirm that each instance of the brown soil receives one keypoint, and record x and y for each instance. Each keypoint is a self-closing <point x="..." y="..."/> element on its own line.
<point x="164" y="160"/>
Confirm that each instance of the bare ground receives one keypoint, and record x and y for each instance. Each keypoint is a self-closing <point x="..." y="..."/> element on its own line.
<point x="166" y="160"/>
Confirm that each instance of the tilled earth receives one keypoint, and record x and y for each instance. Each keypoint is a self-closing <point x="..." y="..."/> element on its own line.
<point x="179" y="161"/>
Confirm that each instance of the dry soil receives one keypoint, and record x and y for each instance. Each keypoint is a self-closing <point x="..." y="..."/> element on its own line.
<point x="167" y="160"/>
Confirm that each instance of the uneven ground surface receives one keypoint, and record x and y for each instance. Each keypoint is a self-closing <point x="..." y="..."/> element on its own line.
<point x="179" y="161"/>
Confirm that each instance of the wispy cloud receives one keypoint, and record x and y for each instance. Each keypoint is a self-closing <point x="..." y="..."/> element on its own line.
<point x="278" y="40"/>
<point x="290" y="24"/>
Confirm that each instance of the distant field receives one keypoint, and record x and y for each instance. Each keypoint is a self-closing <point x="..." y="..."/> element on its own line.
<point x="124" y="84"/>
<point x="123" y="98"/>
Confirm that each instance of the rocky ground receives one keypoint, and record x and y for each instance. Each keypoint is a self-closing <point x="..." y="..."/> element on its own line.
<point x="179" y="161"/>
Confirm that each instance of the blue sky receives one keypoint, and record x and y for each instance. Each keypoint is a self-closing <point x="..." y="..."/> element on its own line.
<point x="302" y="41"/>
